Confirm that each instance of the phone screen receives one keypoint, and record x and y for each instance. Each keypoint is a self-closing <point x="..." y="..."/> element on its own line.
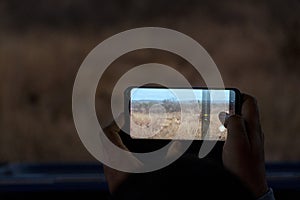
<point x="180" y="113"/>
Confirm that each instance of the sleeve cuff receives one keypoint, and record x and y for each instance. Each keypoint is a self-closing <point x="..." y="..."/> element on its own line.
<point x="269" y="195"/>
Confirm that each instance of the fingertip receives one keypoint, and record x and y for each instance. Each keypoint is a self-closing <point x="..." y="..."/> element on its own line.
<point x="234" y="122"/>
<point x="120" y="119"/>
<point x="250" y="110"/>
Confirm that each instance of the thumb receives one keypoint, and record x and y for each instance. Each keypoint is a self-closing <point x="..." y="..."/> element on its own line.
<point x="115" y="125"/>
<point x="223" y="117"/>
<point x="112" y="131"/>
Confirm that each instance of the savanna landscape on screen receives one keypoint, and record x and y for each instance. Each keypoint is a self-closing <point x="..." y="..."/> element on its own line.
<point x="166" y="120"/>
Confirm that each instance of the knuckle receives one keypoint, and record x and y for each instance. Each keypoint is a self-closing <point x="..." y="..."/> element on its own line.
<point x="250" y="99"/>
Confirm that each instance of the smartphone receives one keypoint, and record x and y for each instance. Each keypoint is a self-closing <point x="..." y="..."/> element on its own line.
<point x="179" y="113"/>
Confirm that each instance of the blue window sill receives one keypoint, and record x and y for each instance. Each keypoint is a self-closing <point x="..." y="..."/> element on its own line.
<point x="20" y="178"/>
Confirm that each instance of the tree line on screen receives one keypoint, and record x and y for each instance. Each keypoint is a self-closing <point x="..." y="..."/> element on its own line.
<point x="170" y="105"/>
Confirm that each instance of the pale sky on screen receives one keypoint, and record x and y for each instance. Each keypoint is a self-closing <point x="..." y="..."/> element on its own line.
<point x="160" y="94"/>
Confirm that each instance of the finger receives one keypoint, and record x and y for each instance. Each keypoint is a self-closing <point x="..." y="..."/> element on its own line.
<point x="237" y="134"/>
<point x="251" y="115"/>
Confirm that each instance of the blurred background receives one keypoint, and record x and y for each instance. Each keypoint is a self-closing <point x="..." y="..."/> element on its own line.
<point x="255" y="44"/>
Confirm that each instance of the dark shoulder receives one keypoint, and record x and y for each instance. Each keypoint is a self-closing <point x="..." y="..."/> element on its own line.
<point x="186" y="178"/>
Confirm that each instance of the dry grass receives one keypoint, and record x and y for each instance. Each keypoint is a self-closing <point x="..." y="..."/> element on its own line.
<point x="256" y="51"/>
<point x="176" y="125"/>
